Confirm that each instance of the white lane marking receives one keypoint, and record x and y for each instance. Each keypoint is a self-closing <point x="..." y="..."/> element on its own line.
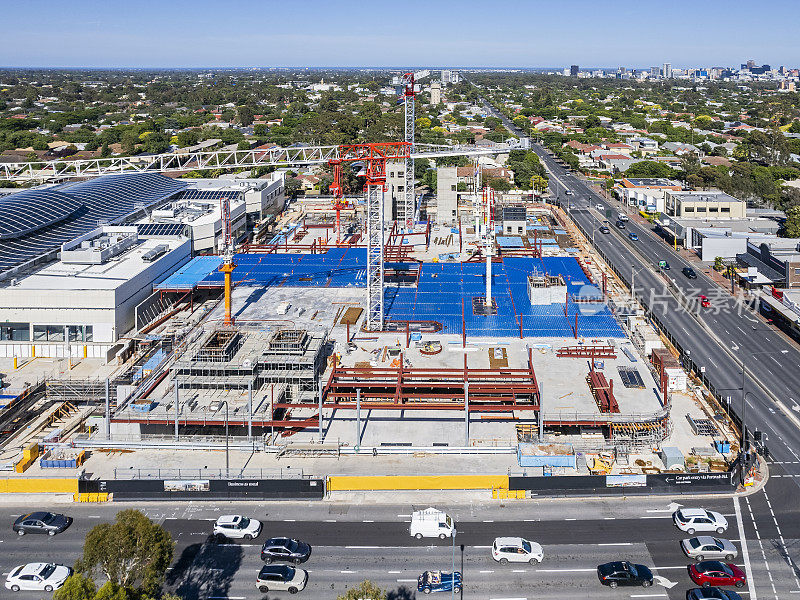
<point x="480" y="546"/>
<point x="617" y="544"/>
<point x="519" y="571"/>
<point x="289" y="520"/>
<point x="406" y="581"/>
<point x="394" y="572"/>
<point x="367" y="521"/>
<point x="530" y="520"/>
<point x="363" y="547"/>
<point x="403" y="516"/>
<point x="485" y="571"/>
<point x="330" y="521"/>
<point x="745" y="552"/>
<point x="648" y="595"/>
<point x="568" y="570"/>
<point x="348" y="571"/>
<point x="488" y="521"/>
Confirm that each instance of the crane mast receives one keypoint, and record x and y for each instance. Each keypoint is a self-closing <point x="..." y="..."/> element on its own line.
<point x="405" y="212"/>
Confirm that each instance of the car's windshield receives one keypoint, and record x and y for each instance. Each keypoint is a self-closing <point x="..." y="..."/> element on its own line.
<point x="292" y="545"/>
<point x="727" y="570"/>
<point x="47" y="571"/>
<point x="632" y="569"/>
<point x="694" y="543"/>
<point x="48" y="518"/>
<point x="526" y="545"/>
<point x="244" y="522"/>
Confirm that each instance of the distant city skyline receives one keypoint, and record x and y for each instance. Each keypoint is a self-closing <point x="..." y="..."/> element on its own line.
<point x="247" y="33"/>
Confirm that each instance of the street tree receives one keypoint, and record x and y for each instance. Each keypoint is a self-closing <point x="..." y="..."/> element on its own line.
<point x="133" y="552"/>
<point x="792" y="225"/>
<point x="366" y="590"/>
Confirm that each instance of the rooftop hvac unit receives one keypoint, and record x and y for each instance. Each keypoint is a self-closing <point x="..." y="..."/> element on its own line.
<point x="154" y="253"/>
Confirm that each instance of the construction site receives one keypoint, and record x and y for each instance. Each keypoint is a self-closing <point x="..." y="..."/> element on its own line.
<point x="343" y="332"/>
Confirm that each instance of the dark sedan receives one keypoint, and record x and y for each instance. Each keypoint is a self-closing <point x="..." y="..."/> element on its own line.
<point x="623" y="572"/>
<point x="712" y="593"/>
<point x="689" y="272"/>
<point x="285" y="550"/>
<point x="41" y="522"/>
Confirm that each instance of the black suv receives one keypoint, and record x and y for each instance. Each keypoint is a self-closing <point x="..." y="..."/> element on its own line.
<point x="285" y="550"/>
<point x="689" y="272"/>
<point x="41" y="522"/>
<point x="605" y="229"/>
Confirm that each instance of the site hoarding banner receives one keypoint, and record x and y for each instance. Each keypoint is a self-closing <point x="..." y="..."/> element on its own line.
<point x="678" y="483"/>
<point x="626" y="480"/>
<point x="208" y="489"/>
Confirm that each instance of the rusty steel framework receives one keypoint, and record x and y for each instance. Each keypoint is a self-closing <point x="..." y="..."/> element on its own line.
<point x="407" y="207"/>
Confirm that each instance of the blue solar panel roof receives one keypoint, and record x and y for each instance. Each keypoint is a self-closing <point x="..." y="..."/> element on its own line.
<point x="30" y="210"/>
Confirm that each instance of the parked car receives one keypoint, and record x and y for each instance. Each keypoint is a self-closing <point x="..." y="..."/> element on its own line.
<point x="516" y="549"/>
<point x="439" y="581"/>
<point x="712" y="593"/>
<point x="41" y="522"/>
<point x="706" y="547"/>
<point x="37" y="576"/>
<point x="237" y="527"/>
<point x="620" y="225"/>
<point x="689" y="272"/>
<point x="716" y="573"/>
<point x="285" y="549"/>
<point x="605" y="229"/>
<point x="281" y="577"/>
<point x="633" y="237"/>
<point x="662" y="264"/>
<point x="691" y="520"/>
<point x="623" y="572"/>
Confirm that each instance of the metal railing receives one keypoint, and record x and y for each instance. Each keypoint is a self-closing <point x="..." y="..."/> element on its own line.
<point x="198" y="473"/>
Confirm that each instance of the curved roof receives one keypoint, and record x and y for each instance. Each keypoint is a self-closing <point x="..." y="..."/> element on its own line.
<point x="73" y="210"/>
<point x="30" y="210"/>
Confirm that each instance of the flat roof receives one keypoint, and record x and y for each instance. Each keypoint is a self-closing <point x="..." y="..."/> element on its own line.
<point x="704" y="197"/>
<point x="108" y="276"/>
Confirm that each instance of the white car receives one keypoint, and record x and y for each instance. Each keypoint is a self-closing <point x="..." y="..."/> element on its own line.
<point x="281" y="578"/>
<point x="516" y="549"/>
<point x="37" y="576"/>
<point x="699" y="519"/>
<point x="599" y="207"/>
<point x="237" y="527"/>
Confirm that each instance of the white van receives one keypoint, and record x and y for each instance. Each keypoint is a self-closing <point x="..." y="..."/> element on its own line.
<point x="622" y="217"/>
<point x="431" y="522"/>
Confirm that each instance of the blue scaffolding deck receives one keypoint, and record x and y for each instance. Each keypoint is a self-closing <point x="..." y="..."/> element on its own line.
<point x="441" y="290"/>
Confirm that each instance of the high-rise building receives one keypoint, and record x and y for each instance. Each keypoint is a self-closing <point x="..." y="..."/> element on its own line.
<point x="573" y="71"/>
<point x="436" y="93"/>
<point x="666" y="71"/>
<point x="654" y="72"/>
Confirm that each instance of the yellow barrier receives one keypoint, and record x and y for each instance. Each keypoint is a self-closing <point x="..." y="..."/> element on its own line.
<point x="349" y="483"/>
<point x="30" y="454"/>
<point x="90" y="497"/>
<point x="51" y="485"/>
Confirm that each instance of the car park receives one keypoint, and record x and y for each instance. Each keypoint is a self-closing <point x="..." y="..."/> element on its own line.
<point x="624" y="573"/>
<point x="705" y="547"/>
<point x="41" y="522"/>
<point x="286" y="550"/>
<point x="689" y="272"/>
<point x="439" y="581"/>
<point x="517" y="550"/>
<point x="237" y="527"/>
<point x="716" y="573"/>
<point x="44" y="577"/>
<point x="633" y="237"/>
<point x="691" y="520"/>
<point x="281" y="578"/>
<point x="712" y="593"/>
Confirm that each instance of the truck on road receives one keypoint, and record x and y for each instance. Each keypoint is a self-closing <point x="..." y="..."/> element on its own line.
<point x="431" y="522"/>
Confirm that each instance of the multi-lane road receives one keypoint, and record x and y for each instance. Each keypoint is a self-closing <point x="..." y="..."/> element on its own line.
<point x="352" y="543"/>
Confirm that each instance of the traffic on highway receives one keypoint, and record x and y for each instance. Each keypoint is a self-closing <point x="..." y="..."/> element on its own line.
<point x="567" y="549"/>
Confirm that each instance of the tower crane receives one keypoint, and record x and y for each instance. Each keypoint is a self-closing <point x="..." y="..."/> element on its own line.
<point x="405" y="212"/>
<point x="488" y="242"/>
<point x="339" y="203"/>
<point x="228" y="265"/>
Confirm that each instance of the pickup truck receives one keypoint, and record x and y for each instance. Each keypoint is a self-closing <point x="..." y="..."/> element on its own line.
<point x="439" y="581"/>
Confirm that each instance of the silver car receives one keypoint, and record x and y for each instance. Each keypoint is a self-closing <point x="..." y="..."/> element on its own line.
<point x="705" y="547"/>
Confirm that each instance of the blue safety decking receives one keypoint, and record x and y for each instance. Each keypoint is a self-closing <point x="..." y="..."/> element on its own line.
<point x="440" y="291"/>
<point x="189" y="275"/>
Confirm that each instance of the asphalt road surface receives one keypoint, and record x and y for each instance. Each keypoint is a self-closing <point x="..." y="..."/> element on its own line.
<point x="353" y="543"/>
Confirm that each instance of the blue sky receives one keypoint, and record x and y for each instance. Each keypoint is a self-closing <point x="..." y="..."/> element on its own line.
<point x="466" y="33"/>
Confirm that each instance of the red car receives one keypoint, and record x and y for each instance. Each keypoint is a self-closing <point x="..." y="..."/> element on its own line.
<point x="704" y="302"/>
<point x="714" y="572"/>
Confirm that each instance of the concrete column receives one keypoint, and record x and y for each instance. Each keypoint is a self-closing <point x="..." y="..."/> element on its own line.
<point x="108" y="409"/>
<point x="466" y="414"/>
<point x="320" y="411"/>
<point x="249" y="411"/>
<point x="176" y="408"/>
<point x="358" y="417"/>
